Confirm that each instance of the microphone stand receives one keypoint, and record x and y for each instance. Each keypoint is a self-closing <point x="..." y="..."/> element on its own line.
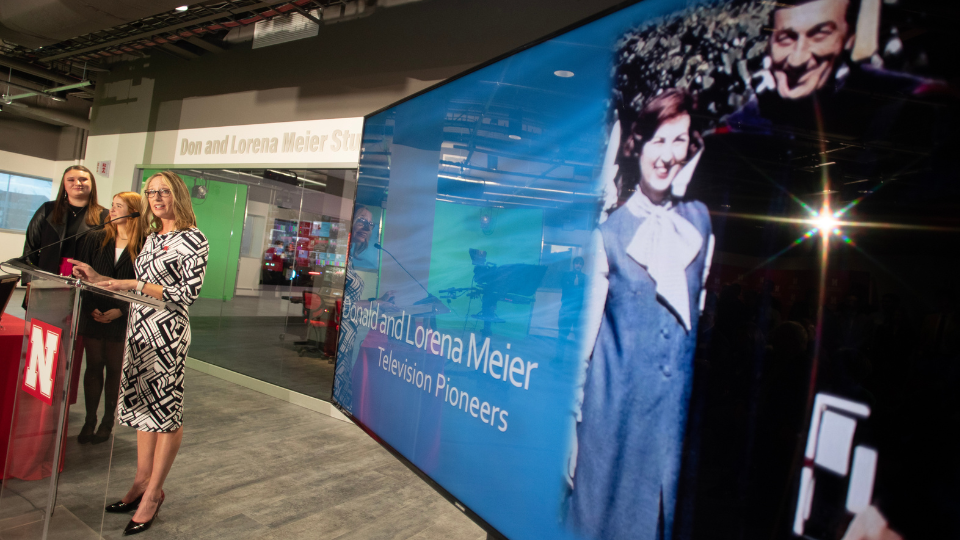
<point x="23" y="258"/>
<point x="91" y="229"/>
<point x="383" y="249"/>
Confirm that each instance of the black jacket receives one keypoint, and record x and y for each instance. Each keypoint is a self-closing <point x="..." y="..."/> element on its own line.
<point x="41" y="232"/>
<point x="101" y="259"/>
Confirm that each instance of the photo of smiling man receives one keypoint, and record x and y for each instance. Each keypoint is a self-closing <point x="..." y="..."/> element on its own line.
<point x="820" y="76"/>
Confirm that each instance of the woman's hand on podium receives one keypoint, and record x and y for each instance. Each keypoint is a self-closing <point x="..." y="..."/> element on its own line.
<point x="120" y="285"/>
<point x="83" y="271"/>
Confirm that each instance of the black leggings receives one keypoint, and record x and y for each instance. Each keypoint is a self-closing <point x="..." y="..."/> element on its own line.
<point x="102" y="354"/>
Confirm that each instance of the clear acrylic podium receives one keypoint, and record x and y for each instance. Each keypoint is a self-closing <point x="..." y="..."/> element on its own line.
<point x="43" y="456"/>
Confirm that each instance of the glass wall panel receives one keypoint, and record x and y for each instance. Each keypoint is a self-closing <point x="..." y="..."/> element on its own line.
<point x="278" y="246"/>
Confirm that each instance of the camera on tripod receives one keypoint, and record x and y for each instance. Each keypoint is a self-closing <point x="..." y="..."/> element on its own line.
<point x="514" y="283"/>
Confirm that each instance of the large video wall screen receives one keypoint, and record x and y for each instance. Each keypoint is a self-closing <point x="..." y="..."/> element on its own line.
<point x="684" y="271"/>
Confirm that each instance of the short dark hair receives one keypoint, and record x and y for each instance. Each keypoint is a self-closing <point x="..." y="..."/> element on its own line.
<point x="669" y="104"/>
<point x="853" y="11"/>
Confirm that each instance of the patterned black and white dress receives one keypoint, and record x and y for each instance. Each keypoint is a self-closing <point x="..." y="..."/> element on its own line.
<point x="157" y="340"/>
<point x="346" y="356"/>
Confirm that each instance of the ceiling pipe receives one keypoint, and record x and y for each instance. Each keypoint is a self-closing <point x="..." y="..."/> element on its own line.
<point x="49" y="116"/>
<point x="17" y="85"/>
<point x="36" y="71"/>
<point x="58" y="93"/>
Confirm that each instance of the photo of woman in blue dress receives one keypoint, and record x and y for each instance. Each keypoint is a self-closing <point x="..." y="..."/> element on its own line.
<point x="649" y="269"/>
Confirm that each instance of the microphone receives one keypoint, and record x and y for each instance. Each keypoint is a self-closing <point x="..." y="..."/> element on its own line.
<point x="91" y="229"/>
<point x="381" y="248"/>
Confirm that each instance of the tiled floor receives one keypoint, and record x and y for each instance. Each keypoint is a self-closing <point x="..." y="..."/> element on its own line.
<point x="251" y="466"/>
<point x="254" y="336"/>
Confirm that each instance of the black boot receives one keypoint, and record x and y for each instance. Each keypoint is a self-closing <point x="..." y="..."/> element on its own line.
<point x="86" y="433"/>
<point x="103" y="432"/>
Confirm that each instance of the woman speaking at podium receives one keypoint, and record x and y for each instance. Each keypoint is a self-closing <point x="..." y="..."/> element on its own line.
<point x="170" y="267"/>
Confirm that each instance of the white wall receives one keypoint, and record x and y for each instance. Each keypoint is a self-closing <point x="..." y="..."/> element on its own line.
<point x="11" y="243"/>
<point x="124" y="152"/>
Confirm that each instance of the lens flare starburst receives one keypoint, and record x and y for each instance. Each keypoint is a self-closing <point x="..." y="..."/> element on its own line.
<point x="831" y="227"/>
<point x="825" y="221"/>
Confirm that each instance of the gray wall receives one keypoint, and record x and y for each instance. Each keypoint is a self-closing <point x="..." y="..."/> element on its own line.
<point x="21" y="135"/>
<point x="350" y="69"/>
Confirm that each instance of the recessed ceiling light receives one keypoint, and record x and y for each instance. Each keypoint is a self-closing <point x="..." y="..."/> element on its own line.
<point x="514" y="137"/>
<point x="183" y="8"/>
<point x="563" y="73"/>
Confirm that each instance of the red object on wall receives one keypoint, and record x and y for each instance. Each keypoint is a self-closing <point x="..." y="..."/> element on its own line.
<point x="305" y="227"/>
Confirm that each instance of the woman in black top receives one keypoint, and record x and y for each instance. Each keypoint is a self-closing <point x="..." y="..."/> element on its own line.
<point x="74" y="211"/>
<point x="111" y="253"/>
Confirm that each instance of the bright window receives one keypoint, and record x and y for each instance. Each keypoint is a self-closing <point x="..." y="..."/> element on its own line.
<point x="20" y="196"/>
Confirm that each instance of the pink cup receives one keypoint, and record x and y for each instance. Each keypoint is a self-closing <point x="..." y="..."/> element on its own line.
<point x="66" y="267"/>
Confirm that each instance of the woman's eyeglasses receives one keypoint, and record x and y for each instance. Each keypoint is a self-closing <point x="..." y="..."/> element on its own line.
<point x="365" y="223"/>
<point x="151" y="193"/>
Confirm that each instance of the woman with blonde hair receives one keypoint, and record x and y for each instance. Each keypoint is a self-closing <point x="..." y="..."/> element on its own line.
<point x="110" y="252"/>
<point x="170" y="268"/>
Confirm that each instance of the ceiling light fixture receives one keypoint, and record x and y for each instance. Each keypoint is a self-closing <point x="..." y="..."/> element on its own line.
<point x="562" y="73"/>
<point x="182" y="8"/>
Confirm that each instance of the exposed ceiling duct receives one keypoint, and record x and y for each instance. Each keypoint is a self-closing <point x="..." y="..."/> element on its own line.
<point x="200" y="29"/>
<point x="53" y="46"/>
<point x="46" y="115"/>
<point x="36" y="71"/>
<point x="38" y="23"/>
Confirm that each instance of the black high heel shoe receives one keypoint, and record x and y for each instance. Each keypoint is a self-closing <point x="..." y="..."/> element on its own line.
<point x="136" y="528"/>
<point x="121" y="507"/>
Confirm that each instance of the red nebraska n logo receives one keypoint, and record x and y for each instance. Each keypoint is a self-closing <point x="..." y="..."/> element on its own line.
<point x="38" y="376"/>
